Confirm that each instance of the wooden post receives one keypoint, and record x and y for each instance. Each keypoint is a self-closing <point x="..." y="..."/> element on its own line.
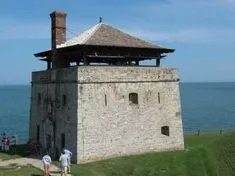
<point x="48" y="65"/>
<point x="118" y="63"/>
<point x="86" y="61"/>
<point x="158" y="61"/>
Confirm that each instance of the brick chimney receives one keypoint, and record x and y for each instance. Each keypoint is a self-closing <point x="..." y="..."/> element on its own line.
<point x="58" y="28"/>
<point x="58" y="34"/>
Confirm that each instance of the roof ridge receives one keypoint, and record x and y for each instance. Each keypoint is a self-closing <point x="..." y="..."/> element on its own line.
<point x="96" y="27"/>
<point x="82" y="36"/>
<point x="103" y="34"/>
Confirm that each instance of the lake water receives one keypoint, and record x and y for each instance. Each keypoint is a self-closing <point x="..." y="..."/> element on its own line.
<point x="205" y="106"/>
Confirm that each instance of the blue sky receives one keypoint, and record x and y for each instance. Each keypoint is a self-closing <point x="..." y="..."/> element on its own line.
<point x="201" y="31"/>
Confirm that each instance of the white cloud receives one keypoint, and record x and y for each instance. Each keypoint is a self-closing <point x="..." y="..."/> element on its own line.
<point x="188" y="35"/>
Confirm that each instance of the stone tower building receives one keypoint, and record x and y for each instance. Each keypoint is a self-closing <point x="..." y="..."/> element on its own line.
<point x="96" y="99"/>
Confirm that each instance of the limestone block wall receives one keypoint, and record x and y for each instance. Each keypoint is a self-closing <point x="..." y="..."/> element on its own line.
<point x="92" y="74"/>
<point x="98" y="119"/>
<point x="109" y="125"/>
<point x="58" y="91"/>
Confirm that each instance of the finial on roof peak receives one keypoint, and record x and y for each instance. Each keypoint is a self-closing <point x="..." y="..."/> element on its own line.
<point x="100" y="19"/>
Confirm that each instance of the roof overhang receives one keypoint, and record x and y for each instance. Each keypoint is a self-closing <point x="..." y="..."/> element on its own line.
<point x="84" y="50"/>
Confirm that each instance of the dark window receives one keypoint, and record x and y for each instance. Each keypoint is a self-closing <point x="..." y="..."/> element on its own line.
<point x="48" y="142"/>
<point x="64" y="100"/>
<point x="39" y="98"/>
<point x="54" y="132"/>
<point x="133" y="98"/>
<point x="159" y="98"/>
<point x="165" y="130"/>
<point x="50" y="108"/>
<point x="38" y="132"/>
<point x="105" y="99"/>
<point x="62" y="140"/>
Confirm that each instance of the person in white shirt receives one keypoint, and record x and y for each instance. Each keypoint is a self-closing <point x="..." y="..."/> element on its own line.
<point x="64" y="163"/>
<point x="3" y="141"/>
<point x="46" y="160"/>
<point x="69" y="154"/>
<point x="13" y="144"/>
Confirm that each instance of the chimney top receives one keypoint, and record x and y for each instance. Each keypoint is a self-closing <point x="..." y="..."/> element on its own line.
<point x="58" y="13"/>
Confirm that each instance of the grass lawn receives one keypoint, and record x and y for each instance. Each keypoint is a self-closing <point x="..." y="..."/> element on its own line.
<point x="207" y="155"/>
<point x="20" y="151"/>
<point x="20" y="171"/>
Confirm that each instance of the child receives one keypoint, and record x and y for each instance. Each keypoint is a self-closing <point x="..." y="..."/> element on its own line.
<point x="69" y="154"/>
<point x="46" y="160"/>
<point x="64" y="163"/>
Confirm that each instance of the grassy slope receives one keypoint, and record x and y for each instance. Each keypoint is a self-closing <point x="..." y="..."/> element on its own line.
<point x="204" y="156"/>
<point x="20" y="151"/>
<point x="21" y="171"/>
<point x="207" y="155"/>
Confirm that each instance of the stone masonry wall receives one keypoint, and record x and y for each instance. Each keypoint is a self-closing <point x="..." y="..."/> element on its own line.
<point x="53" y="85"/>
<point x="98" y="120"/>
<point x="109" y="125"/>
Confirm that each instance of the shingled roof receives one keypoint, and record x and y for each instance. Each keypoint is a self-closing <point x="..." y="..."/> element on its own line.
<point x="104" y="35"/>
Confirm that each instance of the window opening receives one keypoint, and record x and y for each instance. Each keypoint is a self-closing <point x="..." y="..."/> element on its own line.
<point x="165" y="130"/>
<point x="48" y="142"/>
<point x="39" y="98"/>
<point x="62" y="140"/>
<point x="50" y="108"/>
<point x="105" y="99"/>
<point x="64" y="100"/>
<point x="159" y="98"/>
<point x="38" y="132"/>
<point x="133" y="98"/>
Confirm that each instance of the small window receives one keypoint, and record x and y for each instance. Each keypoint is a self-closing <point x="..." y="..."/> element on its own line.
<point x="48" y="142"/>
<point x="105" y="100"/>
<point x="159" y="98"/>
<point x="38" y="132"/>
<point x="62" y="140"/>
<point x="133" y="98"/>
<point x="64" y="100"/>
<point x="50" y="108"/>
<point x="165" y="130"/>
<point x="39" y="98"/>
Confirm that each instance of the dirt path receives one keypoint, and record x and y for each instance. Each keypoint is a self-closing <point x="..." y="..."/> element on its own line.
<point x="55" y="170"/>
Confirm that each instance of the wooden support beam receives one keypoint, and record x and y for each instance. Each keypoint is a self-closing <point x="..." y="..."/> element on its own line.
<point x="48" y="65"/>
<point x="86" y="62"/>
<point x="158" y="60"/>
